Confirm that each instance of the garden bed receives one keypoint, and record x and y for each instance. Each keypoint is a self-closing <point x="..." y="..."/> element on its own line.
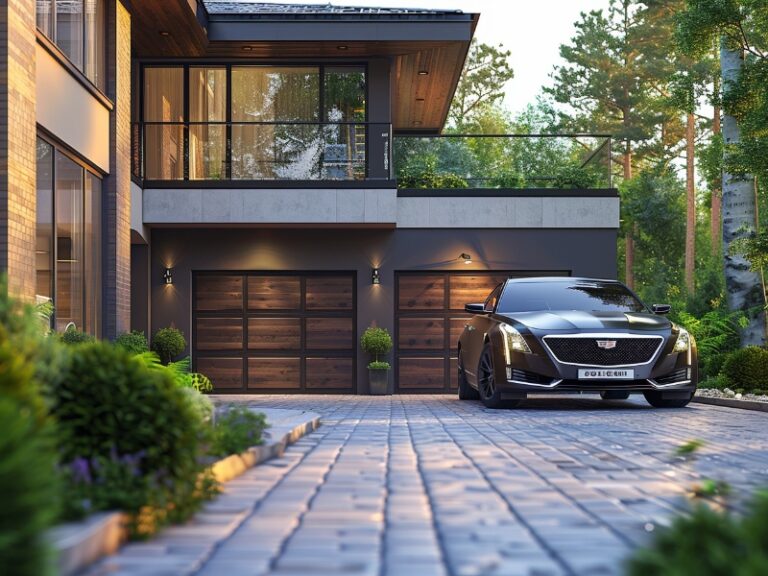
<point x="732" y="399"/>
<point x="79" y="544"/>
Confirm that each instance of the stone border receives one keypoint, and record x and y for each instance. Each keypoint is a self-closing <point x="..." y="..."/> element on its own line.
<point x="80" y="544"/>
<point x="733" y="403"/>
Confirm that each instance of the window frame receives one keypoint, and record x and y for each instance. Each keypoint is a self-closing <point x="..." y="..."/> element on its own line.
<point x="228" y="64"/>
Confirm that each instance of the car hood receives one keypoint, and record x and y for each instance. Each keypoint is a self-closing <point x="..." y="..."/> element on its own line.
<point x="584" y="320"/>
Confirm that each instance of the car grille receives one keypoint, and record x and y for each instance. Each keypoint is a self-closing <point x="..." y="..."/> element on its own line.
<point x="586" y="351"/>
<point x="676" y="376"/>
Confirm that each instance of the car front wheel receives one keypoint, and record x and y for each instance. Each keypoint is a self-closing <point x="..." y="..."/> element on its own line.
<point x="490" y="394"/>
<point x="657" y="400"/>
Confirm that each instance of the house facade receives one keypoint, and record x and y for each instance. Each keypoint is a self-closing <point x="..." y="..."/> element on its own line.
<point x="231" y="169"/>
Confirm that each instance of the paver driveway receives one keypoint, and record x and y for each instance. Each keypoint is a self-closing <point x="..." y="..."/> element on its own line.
<point x="428" y="485"/>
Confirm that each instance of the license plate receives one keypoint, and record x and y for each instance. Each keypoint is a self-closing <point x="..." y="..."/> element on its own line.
<point x="604" y="374"/>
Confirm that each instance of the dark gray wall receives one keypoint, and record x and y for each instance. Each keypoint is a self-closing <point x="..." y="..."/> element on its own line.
<point x="582" y="252"/>
<point x="139" y="287"/>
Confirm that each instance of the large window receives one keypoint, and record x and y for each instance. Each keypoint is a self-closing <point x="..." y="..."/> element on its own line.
<point x="68" y="254"/>
<point x="248" y="122"/>
<point x="77" y="28"/>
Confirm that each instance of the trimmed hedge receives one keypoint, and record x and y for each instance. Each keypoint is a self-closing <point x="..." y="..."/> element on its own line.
<point x="168" y="343"/>
<point x="747" y="368"/>
<point x="134" y="342"/>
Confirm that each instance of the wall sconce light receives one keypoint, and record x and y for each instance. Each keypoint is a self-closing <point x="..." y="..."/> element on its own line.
<point x="375" y="279"/>
<point x="466" y="257"/>
<point x="168" y="276"/>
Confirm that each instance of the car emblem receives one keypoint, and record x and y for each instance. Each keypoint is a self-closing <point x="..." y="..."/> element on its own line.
<point x="606" y="344"/>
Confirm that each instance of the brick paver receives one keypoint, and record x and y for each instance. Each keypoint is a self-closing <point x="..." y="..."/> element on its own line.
<point x="429" y="485"/>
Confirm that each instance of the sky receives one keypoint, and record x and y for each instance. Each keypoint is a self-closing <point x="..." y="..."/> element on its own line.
<point x="532" y="29"/>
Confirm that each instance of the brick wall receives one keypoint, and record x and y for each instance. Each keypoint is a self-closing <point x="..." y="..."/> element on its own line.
<point x="17" y="145"/>
<point x="117" y="186"/>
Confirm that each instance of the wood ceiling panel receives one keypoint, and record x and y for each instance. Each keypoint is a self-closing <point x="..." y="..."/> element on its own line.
<point x="167" y="28"/>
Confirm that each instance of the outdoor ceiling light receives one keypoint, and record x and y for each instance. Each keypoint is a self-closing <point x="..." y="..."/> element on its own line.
<point x="168" y="276"/>
<point x="466" y="257"/>
<point x="375" y="279"/>
<point x="342" y="47"/>
<point x="423" y="72"/>
<point x="164" y="33"/>
<point x="417" y="122"/>
<point x="419" y="99"/>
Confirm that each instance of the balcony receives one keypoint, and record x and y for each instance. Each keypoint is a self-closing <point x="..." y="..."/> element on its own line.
<point x="479" y="164"/>
<point x="262" y="154"/>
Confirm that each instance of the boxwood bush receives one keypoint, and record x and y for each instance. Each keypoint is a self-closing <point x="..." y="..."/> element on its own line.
<point x="708" y="543"/>
<point x="236" y="430"/>
<point x="376" y="342"/>
<point x="134" y="342"/>
<point x="168" y="343"/>
<point x="130" y="439"/>
<point x="747" y="368"/>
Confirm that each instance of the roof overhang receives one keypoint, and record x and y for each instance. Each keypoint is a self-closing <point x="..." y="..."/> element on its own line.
<point x="427" y="48"/>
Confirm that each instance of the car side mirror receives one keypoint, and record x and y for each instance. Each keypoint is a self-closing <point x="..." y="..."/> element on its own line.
<point x="476" y="308"/>
<point x="661" y="308"/>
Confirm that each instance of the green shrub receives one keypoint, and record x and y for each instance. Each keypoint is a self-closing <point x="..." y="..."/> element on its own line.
<point x="747" y="368"/>
<point x="718" y="382"/>
<point x="376" y="341"/>
<point x="717" y="334"/>
<point x="378" y="365"/>
<point x="237" y="430"/>
<point x="575" y="177"/>
<point x="169" y="343"/>
<point x="73" y="337"/>
<point x="427" y="177"/>
<point x="180" y="370"/>
<point x="507" y="180"/>
<point x="708" y="543"/>
<point x="134" y="342"/>
<point x="130" y="439"/>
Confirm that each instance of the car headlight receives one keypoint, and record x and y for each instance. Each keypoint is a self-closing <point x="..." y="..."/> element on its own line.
<point x="683" y="343"/>
<point x="513" y="342"/>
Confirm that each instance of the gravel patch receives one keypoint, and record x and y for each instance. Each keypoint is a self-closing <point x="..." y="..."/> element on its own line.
<point x="730" y="394"/>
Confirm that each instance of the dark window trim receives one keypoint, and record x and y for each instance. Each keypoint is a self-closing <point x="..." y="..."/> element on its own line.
<point x="73" y="70"/>
<point x="262" y="184"/>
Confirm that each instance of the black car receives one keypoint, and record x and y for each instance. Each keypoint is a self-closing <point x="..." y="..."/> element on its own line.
<point x="549" y="335"/>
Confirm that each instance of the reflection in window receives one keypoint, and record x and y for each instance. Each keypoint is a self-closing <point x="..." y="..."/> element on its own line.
<point x="68" y="261"/>
<point x="164" y="143"/>
<point x="207" y="142"/>
<point x="44" y="17"/>
<point x="44" y="242"/>
<point x="69" y="243"/>
<point x="275" y="94"/>
<point x="69" y="30"/>
<point x="344" y="101"/>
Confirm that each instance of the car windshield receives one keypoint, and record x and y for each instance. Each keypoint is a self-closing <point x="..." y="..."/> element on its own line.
<point x="589" y="296"/>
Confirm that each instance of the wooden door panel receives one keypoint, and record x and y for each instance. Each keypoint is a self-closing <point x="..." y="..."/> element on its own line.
<point x="421" y="373"/>
<point x="223" y="372"/>
<point x="219" y="334"/>
<point x="274" y="292"/>
<point x="457" y="327"/>
<point x="274" y="333"/>
<point x="329" y="293"/>
<point x="280" y="373"/>
<point x="219" y="293"/>
<point x="425" y="292"/>
<point x="330" y="373"/>
<point x="421" y="334"/>
<point x="469" y="288"/>
<point x="330" y="333"/>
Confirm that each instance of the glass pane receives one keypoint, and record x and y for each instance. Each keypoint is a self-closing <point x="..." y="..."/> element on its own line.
<point x="344" y="151"/>
<point x="207" y="152"/>
<point x="69" y="243"/>
<point x="276" y="151"/>
<point x="44" y="241"/>
<point x="207" y="94"/>
<point x="94" y="42"/>
<point x="164" y="152"/>
<point x="275" y="94"/>
<point x="163" y="94"/>
<point x="44" y="17"/>
<point x="344" y="94"/>
<point x="69" y="30"/>
<point x="92" y="253"/>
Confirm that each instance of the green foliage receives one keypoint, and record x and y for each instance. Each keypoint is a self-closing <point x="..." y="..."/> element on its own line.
<point x="482" y="82"/>
<point x="747" y="368"/>
<point x="718" y="382"/>
<point x="72" y="337"/>
<point x="168" y="343"/>
<point x="428" y="178"/>
<point x="376" y="341"/>
<point x="575" y="177"/>
<point x="708" y="543"/>
<point x="689" y="448"/>
<point x="507" y="179"/>
<point x="717" y="334"/>
<point x="200" y="382"/>
<point x="378" y="365"/>
<point x="179" y="371"/>
<point x="134" y="342"/>
<point x="129" y="438"/>
<point x="237" y="430"/>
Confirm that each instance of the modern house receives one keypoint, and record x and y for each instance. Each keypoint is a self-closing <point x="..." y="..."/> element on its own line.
<point x="229" y="168"/>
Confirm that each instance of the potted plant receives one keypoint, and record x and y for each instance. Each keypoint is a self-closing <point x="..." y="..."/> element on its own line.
<point x="377" y="342"/>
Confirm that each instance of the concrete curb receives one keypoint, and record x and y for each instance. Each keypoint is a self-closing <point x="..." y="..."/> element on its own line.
<point x="732" y="403"/>
<point x="80" y="544"/>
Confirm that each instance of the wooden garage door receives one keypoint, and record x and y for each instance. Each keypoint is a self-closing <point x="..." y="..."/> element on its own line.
<point x="429" y="317"/>
<point x="269" y="332"/>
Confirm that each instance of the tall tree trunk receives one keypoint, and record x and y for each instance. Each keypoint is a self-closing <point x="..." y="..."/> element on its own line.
<point x="629" y="244"/>
<point x="690" y="216"/>
<point x="717" y="192"/>
<point x="744" y="289"/>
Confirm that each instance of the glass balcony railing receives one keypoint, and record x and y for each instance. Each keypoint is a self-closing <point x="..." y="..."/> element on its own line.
<point x="263" y="151"/>
<point x="504" y="161"/>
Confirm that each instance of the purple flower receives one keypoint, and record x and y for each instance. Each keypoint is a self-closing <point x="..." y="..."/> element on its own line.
<point x="81" y="471"/>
